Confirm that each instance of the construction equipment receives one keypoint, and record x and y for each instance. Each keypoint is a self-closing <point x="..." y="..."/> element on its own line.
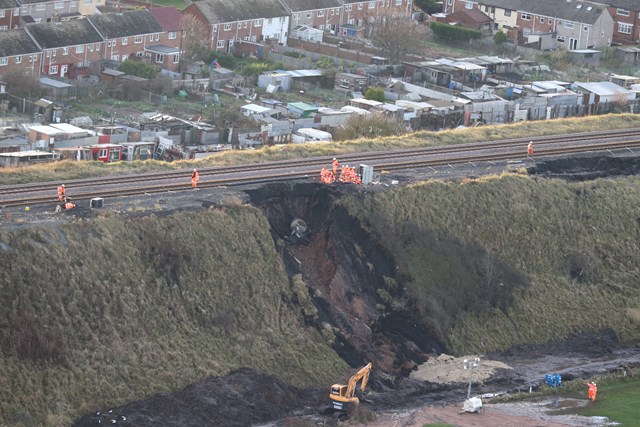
<point x="343" y="396"/>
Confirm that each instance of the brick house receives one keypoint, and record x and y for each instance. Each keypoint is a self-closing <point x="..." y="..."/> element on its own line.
<point x="360" y="13"/>
<point x="19" y="53"/>
<point x="127" y="34"/>
<point x="9" y="14"/>
<point x="68" y="48"/>
<point x="39" y="11"/>
<point x="626" y="17"/>
<point x="321" y="14"/>
<point x="573" y="25"/>
<point x="166" y="52"/>
<point x="236" y="21"/>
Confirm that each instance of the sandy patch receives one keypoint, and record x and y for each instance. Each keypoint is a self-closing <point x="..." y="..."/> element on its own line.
<point x="446" y="369"/>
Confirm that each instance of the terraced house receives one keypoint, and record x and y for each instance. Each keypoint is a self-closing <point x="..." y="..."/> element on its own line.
<point x="9" y="14"/>
<point x="75" y="48"/>
<point x="232" y="22"/>
<point x="569" y="24"/>
<point x="20" y="53"/>
<point x="68" y="48"/>
<point x="626" y="17"/>
<point x="361" y="13"/>
<point x="321" y="14"/>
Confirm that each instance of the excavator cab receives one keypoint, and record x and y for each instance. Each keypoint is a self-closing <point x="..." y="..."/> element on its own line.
<point x="343" y="396"/>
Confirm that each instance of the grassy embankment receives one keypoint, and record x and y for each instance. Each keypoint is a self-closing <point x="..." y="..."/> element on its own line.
<point x="105" y="312"/>
<point x="496" y="262"/>
<point x="66" y="170"/>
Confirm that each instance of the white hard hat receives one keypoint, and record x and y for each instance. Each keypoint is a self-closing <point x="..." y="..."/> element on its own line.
<point x="63" y="185"/>
<point x="195" y="170"/>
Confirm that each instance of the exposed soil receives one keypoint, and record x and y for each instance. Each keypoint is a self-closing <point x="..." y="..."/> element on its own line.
<point x="343" y="269"/>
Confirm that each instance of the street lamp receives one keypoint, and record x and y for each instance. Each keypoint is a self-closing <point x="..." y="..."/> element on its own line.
<point x="470" y="365"/>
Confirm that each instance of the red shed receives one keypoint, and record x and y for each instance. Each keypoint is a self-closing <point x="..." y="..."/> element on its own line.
<point x="106" y="152"/>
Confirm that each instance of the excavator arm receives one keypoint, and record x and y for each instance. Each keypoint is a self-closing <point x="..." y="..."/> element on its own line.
<point x="343" y="395"/>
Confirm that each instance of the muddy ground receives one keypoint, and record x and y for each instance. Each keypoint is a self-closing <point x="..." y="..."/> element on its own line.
<point x="409" y="384"/>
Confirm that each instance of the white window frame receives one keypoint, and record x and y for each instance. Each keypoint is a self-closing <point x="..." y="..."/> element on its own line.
<point x="624" y="28"/>
<point x="53" y="69"/>
<point x="40" y="7"/>
<point x="125" y="41"/>
<point x="372" y="5"/>
<point x="2" y="12"/>
<point x="360" y="6"/>
<point x="622" y="12"/>
<point x="16" y="11"/>
<point x="4" y="61"/>
<point x="159" y="58"/>
<point x="507" y="12"/>
<point x="320" y="13"/>
<point x="58" y="5"/>
<point x="65" y="51"/>
<point x="115" y="58"/>
<point x="80" y="48"/>
<point x="176" y="59"/>
<point x="73" y="4"/>
<point x="227" y="27"/>
<point x="525" y="16"/>
<point x="468" y="5"/>
<point x="220" y="44"/>
<point x="19" y="59"/>
<point x="568" y="25"/>
<point x="137" y="39"/>
<point x="257" y="23"/>
<point x="172" y="35"/>
<point x="542" y="19"/>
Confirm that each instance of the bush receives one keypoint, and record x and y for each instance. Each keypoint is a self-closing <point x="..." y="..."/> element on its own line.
<point x="454" y="33"/>
<point x="375" y="93"/>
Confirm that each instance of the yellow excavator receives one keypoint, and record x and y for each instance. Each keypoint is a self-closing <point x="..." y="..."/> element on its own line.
<point x="343" y="396"/>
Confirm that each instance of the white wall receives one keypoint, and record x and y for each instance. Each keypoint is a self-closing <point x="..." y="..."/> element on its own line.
<point x="278" y="27"/>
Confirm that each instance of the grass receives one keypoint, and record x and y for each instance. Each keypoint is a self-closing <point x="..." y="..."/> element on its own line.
<point x="617" y="401"/>
<point x="178" y="4"/>
<point x="462" y="250"/>
<point x="102" y="313"/>
<point x="63" y="171"/>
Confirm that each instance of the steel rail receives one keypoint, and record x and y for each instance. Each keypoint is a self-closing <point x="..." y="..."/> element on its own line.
<point x="320" y="161"/>
<point x="306" y="173"/>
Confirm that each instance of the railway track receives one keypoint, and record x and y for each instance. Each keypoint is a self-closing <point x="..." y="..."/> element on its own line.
<point x="304" y="168"/>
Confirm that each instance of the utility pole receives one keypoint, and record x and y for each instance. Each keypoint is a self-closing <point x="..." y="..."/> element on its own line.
<point x="471" y="365"/>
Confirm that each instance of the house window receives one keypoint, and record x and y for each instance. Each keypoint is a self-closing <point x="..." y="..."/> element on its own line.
<point x="65" y="51"/>
<point x="349" y="8"/>
<point x="115" y="58"/>
<point x="40" y="7"/>
<point x="601" y="33"/>
<point x="86" y="1"/>
<point x="257" y="23"/>
<point x="624" y="28"/>
<point x="58" y="5"/>
<point x="73" y="4"/>
<point x="253" y="38"/>
<point x="541" y="20"/>
<point x="125" y="40"/>
<point x="507" y="12"/>
<point x="19" y="59"/>
<point x="320" y="13"/>
<point x="80" y="49"/>
<point x="372" y="5"/>
<point x="468" y="5"/>
<point x="137" y="39"/>
<point x="525" y="17"/>
<point x="526" y="31"/>
<point x="568" y="25"/>
<point x="24" y="10"/>
<point x="102" y="153"/>
<point x="398" y="2"/>
<point x="16" y="12"/>
<point x="585" y="28"/>
<point x="449" y="2"/>
<point x="220" y="44"/>
<point x="245" y="24"/>
<point x="172" y="35"/>
<point x="53" y="69"/>
<point x="296" y="16"/>
<point x="1" y="13"/>
<point x="622" y="12"/>
<point x="270" y="21"/>
<point x="90" y="48"/>
<point x="227" y="27"/>
<point x="360" y="6"/>
<point x="308" y="15"/>
<point x="560" y="39"/>
<point x="176" y="59"/>
<point x="4" y="61"/>
<point x="159" y="58"/>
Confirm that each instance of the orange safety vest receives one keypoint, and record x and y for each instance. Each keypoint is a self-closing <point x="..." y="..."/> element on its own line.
<point x="335" y="165"/>
<point x="530" y="148"/>
<point x="60" y="193"/>
<point x="69" y="205"/>
<point x="195" y="176"/>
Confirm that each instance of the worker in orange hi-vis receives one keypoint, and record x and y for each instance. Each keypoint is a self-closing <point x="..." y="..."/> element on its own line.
<point x="593" y="390"/>
<point x="195" y="177"/>
<point x="530" y="148"/>
<point x="335" y="165"/>
<point x="323" y="175"/>
<point x="61" y="192"/>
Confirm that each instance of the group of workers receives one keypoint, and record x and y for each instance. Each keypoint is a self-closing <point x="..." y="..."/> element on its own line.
<point x="347" y="175"/>
<point x="64" y="201"/>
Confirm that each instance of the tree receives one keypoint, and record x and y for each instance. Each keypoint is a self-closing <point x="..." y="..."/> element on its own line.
<point x="500" y="38"/>
<point x="375" y="93"/>
<point x="23" y="85"/>
<point x="195" y="37"/>
<point x="397" y="36"/>
<point x="429" y="6"/>
<point x="369" y="126"/>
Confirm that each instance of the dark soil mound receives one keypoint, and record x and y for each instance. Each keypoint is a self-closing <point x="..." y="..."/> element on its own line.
<point x="242" y="398"/>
